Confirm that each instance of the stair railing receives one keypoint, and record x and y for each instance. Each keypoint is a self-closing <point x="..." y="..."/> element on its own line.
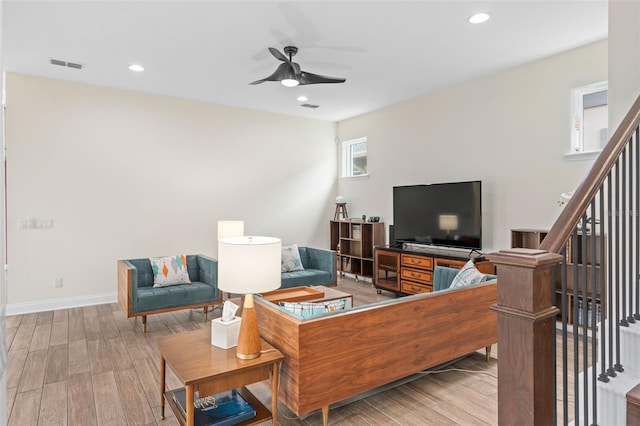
<point x="560" y="307"/>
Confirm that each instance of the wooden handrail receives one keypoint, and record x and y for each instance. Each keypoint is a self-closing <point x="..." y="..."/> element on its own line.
<point x="576" y="206"/>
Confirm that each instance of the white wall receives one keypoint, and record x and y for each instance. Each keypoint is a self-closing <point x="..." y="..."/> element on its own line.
<point x="3" y="287"/>
<point x="125" y="174"/>
<point x="508" y="129"/>
<point x="624" y="58"/>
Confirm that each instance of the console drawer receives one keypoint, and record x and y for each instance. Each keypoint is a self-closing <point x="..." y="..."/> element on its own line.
<point x="423" y="277"/>
<point x="415" y="288"/>
<point x="417" y="261"/>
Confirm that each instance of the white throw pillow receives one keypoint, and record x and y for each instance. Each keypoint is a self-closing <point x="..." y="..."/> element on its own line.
<point x="468" y="275"/>
<point x="169" y="270"/>
<point x="291" y="259"/>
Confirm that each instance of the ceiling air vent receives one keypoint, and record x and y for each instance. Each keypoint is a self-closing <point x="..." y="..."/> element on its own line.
<point x="312" y="106"/>
<point x="66" y="64"/>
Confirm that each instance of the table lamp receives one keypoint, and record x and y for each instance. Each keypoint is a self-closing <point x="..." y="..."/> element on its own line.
<point x="230" y="228"/>
<point x="249" y="265"/>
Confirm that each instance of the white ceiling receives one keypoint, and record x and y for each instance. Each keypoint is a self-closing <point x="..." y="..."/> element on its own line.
<point x="389" y="51"/>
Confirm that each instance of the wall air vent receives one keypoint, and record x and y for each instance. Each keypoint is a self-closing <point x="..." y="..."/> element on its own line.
<point x="66" y="64"/>
<point x="312" y="106"/>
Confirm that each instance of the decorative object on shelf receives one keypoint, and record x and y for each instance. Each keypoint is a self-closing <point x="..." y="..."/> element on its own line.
<point x="230" y="228"/>
<point x="564" y="198"/>
<point x="249" y="265"/>
<point x="341" y="208"/>
<point x="228" y="407"/>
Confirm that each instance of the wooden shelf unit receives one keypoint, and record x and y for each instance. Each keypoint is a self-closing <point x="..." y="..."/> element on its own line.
<point x="355" y="241"/>
<point x="532" y="238"/>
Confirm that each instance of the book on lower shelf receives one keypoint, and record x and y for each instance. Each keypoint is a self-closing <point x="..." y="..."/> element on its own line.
<point x="222" y="409"/>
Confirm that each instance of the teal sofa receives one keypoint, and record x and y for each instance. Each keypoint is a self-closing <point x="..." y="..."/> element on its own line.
<point x="442" y="279"/>
<point x="320" y="268"/>
<point x="138" y="297"/>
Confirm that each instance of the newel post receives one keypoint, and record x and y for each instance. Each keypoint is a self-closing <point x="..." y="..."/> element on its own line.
<point x="526" y="327"/>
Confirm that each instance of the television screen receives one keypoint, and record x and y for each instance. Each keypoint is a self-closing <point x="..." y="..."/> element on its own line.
<point x="443" y="214"/>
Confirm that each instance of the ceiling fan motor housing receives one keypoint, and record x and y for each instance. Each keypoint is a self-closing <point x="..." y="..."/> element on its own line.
<point x="291" y="51"/>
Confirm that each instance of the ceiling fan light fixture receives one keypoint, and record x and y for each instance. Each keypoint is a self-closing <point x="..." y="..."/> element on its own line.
<point x="479" y="18"/>
<point x="289" y="82"/>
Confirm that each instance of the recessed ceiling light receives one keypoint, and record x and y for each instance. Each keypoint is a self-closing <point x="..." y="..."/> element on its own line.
<point x="302" y="99"/>
<point x="136" y="67"/>
<point x="479" y="18"/>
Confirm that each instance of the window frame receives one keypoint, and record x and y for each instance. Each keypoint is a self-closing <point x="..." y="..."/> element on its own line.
<point x="576" y="149"/>
<point x="347" y="158"/>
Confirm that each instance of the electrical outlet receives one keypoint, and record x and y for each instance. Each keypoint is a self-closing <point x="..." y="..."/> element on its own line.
<point x="58" y="283"/>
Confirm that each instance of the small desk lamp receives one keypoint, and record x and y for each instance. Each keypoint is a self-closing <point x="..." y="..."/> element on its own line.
<point x="249" y="265"/>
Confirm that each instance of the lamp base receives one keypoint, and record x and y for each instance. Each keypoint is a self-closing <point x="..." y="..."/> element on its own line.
<point x="249" y="346"/>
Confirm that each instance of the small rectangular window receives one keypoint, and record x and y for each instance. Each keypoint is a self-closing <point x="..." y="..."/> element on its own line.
<point x="589" y="119"/>
<point x="354" y="158"/>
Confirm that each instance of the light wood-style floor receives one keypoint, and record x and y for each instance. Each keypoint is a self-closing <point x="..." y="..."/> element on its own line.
<point x="93" y="366"/>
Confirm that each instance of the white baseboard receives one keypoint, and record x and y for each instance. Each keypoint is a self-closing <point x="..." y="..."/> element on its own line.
<point x="51" y="305"/>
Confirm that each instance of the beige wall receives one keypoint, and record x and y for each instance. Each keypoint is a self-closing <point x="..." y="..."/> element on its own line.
<point x="508" y="129"/>
<point x="125" y="174"/>
<point x="624" y="58"/>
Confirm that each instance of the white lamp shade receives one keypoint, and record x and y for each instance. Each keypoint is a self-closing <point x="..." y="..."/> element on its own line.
<point x="249" y="265"/>
<point x="230" y="228"/>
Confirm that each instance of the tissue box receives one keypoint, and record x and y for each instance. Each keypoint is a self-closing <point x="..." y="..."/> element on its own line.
<point x="225" y="334"/>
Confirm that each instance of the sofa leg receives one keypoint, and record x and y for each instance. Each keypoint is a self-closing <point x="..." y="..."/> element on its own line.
<point x="206" y="310"/>
<point x="488" y="351"/>
<point x="144" y="323"/>
<point x="325" y="415"/>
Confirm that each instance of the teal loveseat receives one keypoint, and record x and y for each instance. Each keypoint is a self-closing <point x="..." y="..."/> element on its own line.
<point x="138" y="297"/>
<point x="320" y="268"/>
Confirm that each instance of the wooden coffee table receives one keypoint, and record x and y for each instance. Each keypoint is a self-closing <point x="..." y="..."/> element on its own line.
<point x="297" y="294"/>
<point x="208" y="370"/>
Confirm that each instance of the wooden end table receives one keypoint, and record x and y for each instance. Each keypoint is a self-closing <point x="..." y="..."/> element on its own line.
<point x="208" y="370"/>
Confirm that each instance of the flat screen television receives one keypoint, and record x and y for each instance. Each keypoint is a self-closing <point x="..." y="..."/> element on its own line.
<point x="442" y="214"/>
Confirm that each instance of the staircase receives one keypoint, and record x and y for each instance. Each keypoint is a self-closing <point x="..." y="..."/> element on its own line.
<point x="589" y="261"/>
<point x="612" y="396"/>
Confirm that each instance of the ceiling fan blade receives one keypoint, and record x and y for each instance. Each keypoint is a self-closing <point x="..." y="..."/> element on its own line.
<point x="278" y="55"/>
<point x="278" y="75"/>
<point x="296" y="68"/>
<point x="309" y="78"/>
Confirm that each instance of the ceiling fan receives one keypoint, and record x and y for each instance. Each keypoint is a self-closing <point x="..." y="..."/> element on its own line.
<point x="289" y="73"/>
